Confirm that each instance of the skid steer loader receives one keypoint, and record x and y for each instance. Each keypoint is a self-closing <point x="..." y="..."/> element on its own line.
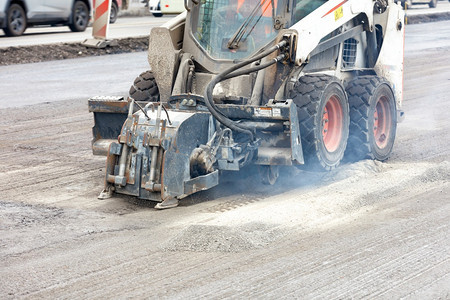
<point x="254" y="82"/>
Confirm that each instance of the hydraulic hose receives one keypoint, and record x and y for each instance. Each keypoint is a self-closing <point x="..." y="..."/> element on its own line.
<point x="229" y="74"/>
<point x="256" y="68"/>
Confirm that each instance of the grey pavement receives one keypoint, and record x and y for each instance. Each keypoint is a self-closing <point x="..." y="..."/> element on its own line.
<point x="70" y="79"/>
<point x="124" y="27"/>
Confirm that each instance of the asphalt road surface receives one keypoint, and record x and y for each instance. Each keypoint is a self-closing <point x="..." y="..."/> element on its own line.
<point x="366" y="230"/>
<point x="70" y="79"/>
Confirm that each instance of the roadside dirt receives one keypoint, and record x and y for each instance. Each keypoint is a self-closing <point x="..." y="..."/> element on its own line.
<point x="429" y="17"/>
<point x="365" y="230"/>
<point x="39" y="53"/>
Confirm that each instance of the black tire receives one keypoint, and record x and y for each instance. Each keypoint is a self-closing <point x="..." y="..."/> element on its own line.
<point x="373" y="119"/>
<point x="80" y="17"/>
<point x="323" y="128"/>
<point x="158" y="15"/>
<point x="16" y="20"/>
<point x="144" y="88"/>
<point x="432" y="4"/>
<point x="114" y="12"/>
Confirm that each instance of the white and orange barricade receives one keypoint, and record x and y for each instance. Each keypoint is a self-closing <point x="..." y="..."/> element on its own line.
<point x="102" y="10"/>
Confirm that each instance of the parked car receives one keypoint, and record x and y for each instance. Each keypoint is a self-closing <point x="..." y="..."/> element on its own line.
<point x="160" y="7"/>
<point x="154" y="6"/>
<point x="406" y="3"/>
<point x="17" y="15"/>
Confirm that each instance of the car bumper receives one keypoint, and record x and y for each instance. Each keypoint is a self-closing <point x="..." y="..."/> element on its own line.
<point x="154" y="10"/>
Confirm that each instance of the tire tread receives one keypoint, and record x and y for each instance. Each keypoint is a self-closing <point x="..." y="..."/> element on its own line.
<point x="360" y="91"/>
<point x="144" y="88"/>
<point x="306" y="94"/>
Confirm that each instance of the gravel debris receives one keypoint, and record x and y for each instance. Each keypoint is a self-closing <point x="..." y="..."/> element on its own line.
<point x="40" y="53"/>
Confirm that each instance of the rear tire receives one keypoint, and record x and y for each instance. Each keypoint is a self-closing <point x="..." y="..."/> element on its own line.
<point x="16" y="21"/>
<point x="80" y="17"/>
<point x="114" y="12"/>
<point x="324" y="120"/>
<point x="144" y="88"/>
<point x="158" y="15"/>
<point x="373" y="119"/>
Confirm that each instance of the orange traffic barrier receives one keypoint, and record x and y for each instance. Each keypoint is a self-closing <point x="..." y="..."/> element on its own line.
<point x="102" y="9"/>
<point x="101" y="18"/>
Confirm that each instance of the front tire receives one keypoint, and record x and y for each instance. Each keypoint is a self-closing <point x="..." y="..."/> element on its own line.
<point x="373" y="119"/>
<point x="80" y="17"/>
<point x="323" y="113"/>
<point x="432" y="4"/>
<point x="269" y="174"/>
<point x="144" y="88"/>
<point x="16" y="21"/>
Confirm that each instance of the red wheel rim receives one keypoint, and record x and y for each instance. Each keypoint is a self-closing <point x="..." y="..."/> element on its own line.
<point x="332" y="124"/>
<point x="382" y="122"/>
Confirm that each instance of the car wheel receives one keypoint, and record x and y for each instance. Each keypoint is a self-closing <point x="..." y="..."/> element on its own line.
<point x="157" y="15"/>
<point x="16" y="21"/>
<point x="432" y="4"/>
<point x="80" y="17"/>
<point x="114" y="12"/>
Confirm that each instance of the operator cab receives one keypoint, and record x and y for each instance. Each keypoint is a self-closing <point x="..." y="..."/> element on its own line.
<point x="237" y="29"/>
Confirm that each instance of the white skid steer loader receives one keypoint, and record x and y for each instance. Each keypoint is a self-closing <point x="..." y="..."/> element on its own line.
<point x="254" y="82"/>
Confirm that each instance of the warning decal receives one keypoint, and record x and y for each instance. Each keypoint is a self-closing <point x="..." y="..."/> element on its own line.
<point x="263" y="111"/>
<point x="338" y="13"/>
